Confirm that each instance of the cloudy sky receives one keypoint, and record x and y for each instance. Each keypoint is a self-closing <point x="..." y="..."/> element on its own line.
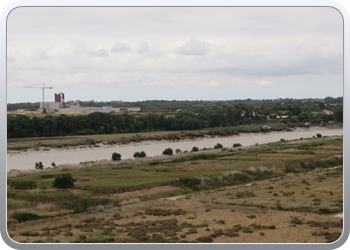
<point x="172" y="53"/>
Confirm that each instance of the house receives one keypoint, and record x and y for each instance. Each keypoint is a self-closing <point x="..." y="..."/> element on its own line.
<point x="282" y="117"/>
<point x="327" y="112"/>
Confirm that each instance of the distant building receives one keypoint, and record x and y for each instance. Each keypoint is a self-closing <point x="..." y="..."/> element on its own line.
<point x="52" y="106"/>
<point x="105" y="109"/>
<point x="327" y="112"/>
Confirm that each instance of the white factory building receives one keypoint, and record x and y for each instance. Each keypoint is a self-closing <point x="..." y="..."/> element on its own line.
<point x="106" y="109"/>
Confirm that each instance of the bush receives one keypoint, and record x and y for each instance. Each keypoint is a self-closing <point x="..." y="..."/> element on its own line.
<point x="194" y="149"/>
<point x="238" y="178"/>
<point x="116" y="157"/>
<point x="23" y="184"/>
<point x="139" y="154"/>
<point x="64" y="180"/>
<point x="289" y="169"/>
<point x="168" y="151"/>
<point x="178" y="151"/>
<point x="318" y="135"/>
<point x="303" y="164"/>
<point x="190" y="182"/>
<point x="82" y="204"/>
<point x="39" y="165"/>
<point x="283" y="140"/>
<point x="218" y="146"/>
<point x="237" y="145"/>
<point x="53" y="164"/>
<point x="21" y="217"/>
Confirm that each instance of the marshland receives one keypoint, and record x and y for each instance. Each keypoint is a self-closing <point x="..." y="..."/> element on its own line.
<point x="284" y="191"/>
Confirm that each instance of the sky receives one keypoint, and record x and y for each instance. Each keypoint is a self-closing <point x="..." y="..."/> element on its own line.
<point x="174" y="53"/>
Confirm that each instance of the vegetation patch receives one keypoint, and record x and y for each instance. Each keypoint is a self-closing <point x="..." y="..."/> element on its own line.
<point x="21" y="217"/>
<point x="23" y="184"/>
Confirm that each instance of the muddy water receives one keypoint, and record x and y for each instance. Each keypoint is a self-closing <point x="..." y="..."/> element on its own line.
<point x="26" y="160"/>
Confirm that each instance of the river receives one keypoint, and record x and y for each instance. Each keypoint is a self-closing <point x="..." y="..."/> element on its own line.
<point x="22" y="160"/>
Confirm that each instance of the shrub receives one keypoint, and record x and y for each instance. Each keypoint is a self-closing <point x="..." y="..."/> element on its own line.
<point x="318" y="135"/>
<point x="194" y="149"/>
<point x="82" y="204"/>
<point x="53" y="164"/>
<point x="168" y="151"/>
<point x="289" y="169"/>
<point x="190" y="182"/>
<point x="218" y="146"/>
<point x="237" y="145"/>
<point x="116" y="157"/>
<point x="178" y="151"/>
<point x="39" y="165"/>
<point x="303" y="164"/>
<point x="141" y="154"/>
<point x="64" y="180"/>
<point x="21" y="217"/>
<point x="205" y="239"/>
<point x="283" y="140"/>
<point x="237" y="178"/>
<point x="23" y="184"/>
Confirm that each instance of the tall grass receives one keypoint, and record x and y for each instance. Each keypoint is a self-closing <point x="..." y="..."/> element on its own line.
<point x="39" y="196"/>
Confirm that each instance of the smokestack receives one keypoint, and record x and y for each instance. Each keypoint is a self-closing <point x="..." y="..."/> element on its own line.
<point x="57" y="98"/>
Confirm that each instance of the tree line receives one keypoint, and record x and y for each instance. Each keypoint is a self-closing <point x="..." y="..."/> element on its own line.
<point x="21" y="126"/>
<point x="171" y="106"/>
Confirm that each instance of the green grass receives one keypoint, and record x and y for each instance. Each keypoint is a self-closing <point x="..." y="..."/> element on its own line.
<point x="137" y="176"/>
<point x="39" y="196"/>
<point x="12" y="204"/>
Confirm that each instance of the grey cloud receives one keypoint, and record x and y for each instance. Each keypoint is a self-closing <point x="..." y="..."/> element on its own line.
<point x="193" y="47"/>
<point x="143" y="48"/>
<point x="40" y="55"/>
<point x="99" y="53"/>
<point x="120" y="48"/>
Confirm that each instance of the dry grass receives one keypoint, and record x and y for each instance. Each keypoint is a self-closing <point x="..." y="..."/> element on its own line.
<point x="258" y="225"/>
<point x="270" y="210"/>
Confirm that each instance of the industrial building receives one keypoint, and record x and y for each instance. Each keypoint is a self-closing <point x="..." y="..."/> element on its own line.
<point x="106" y="109"/>
<point x="60" y="106"/>
<point x="59" y="103"/>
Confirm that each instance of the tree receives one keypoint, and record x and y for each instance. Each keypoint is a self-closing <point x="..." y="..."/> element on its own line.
<point x="218" y="146"/>
<point x="64" y="180"/>
<point x="194" y="149"/>
<point x="116" y="157"/>
<point x="168" y="151"/>
<point x="39" y="165"/>
<point x="178" y="151"/>
<point x="139" y="154"/>
<point x="230" y="115"/>
<point x="321" y="105"/>
<point x="338" y="114"/>
<point x="304" y="117"/>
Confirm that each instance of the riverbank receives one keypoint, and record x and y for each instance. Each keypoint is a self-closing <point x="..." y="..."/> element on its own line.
<point x="123" y="139"/>
<point x="20" y="160"/>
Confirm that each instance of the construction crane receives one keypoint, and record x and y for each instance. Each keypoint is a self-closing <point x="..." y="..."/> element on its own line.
<point x="43" y="88"/>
